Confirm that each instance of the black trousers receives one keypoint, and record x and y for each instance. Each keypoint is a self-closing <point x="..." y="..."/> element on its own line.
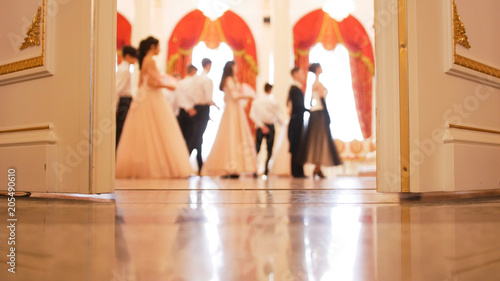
<point x="193" y="129"/>
<point x="295" y="128"/>
<point x="121" y="115"/>
<point x="199" y="125"/>
<point x="269" y="140"/>
<point x="186" y="125"/>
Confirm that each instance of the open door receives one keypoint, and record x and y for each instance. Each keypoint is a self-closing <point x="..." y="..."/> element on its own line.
<point x="438" y="95"/>
<point x="56" y="94"/>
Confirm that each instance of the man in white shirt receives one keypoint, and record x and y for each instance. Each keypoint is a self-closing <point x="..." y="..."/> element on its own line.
<point x="185" y="102"/>
<point x="265" y="113"/>
<point x="123" y="88"/>
<point x="202" y="97"/>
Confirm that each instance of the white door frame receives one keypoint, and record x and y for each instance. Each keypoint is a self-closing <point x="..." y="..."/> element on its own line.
<point x="392" y="96"/>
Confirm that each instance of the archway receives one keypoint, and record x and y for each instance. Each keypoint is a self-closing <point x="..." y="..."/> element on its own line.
<point x="229" y="28"/>
<point x="319" y="27"/>
<point x="340" y="101"/>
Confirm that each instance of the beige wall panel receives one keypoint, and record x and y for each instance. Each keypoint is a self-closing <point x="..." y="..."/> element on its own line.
<point x="64" y="99"/>
<point x="481" y="24"/>
<point x="437" y="98"/>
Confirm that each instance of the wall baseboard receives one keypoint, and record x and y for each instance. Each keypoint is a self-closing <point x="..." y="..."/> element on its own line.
<point x="471" y="158"/>
<point x="29" y="150"/>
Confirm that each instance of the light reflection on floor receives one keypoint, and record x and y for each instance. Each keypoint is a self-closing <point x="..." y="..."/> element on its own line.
<point x="334" y="229"/>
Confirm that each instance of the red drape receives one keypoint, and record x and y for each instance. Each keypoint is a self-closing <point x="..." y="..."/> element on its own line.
<point x="229" y="28"/>
<point x="305" y="35"/>
<point x="360" y="49"/>
<point x="184" y="38"/>
<point x="123" y="34"/>
<point x="239" y="37"/>
<point x="319" y="27"/>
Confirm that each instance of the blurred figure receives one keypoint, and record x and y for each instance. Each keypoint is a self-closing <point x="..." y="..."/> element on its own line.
<point x="152" y="144"/>
<point x="319" y="148"/>
<point x="185" y="102"/>
<point x="295" y="126"/>
<point x="264" y="113"/>
<point x="175" y="78"/>
<point x="233" y="151"/>
<point x="203" y="93"/>
<point x="124" y="88"/>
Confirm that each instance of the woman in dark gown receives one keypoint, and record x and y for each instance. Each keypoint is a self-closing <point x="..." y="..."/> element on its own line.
<point x="319" y="148"/>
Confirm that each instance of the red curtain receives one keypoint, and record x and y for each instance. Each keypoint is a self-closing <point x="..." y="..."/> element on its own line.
<point x="239" y="37"/>
<point x="184" y="38"/>
<point x="305" y="35"/>
<point x="229" y="28"/>
<point x="360" y="49"/>
<point x="319" y="27"/>
<point x="123" y="34"/>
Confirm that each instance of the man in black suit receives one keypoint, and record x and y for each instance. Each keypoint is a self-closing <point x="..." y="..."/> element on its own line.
<point x="296" y="110"/>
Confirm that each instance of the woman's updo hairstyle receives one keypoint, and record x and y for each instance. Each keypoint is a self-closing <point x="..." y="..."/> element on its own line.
<point x="144" y="47"/>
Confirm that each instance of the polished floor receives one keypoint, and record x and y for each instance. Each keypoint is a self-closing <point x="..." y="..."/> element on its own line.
<point x="281" y="229"/>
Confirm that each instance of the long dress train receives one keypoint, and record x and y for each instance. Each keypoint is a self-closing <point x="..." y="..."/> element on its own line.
<point x="233" y="151"/>
<point x="151" y="145"/>
<point x="319" y="148"/>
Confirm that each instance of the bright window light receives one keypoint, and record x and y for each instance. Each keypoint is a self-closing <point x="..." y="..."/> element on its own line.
<point x="338" y="9"/>
<point x="336" y="78"/>
<point x="213" y="9"/>
<point x="219" y="57"/>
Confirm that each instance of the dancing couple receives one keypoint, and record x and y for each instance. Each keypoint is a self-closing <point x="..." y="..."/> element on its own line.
<point x="314" y="143"/>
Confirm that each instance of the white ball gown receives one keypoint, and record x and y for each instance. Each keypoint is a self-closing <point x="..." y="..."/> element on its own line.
<point x="233" y="151"/>
<point x="151" y="145"/>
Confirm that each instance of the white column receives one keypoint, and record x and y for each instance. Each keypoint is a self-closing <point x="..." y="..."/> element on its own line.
<point x="263" y="42"/>
<point x="282" y="49"/>
<point x="142" y="26"/>
<point x="158" y="31"/>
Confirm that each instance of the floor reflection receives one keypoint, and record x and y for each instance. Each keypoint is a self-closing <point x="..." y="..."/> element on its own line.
<point x="261" y="234"/>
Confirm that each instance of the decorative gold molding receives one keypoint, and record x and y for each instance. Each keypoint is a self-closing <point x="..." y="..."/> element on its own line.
<point x="459" y="34"/>
<point x="33" y="33"/>
<point x="477" y="66"/>
<point x="459" y="37"/>
<point x="31" y="62"/>
<point x="21" y="65"/>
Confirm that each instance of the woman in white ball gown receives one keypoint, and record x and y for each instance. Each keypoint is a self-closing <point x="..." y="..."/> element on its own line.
<point x="233" y="151"/>
<point x="151" y="145"/>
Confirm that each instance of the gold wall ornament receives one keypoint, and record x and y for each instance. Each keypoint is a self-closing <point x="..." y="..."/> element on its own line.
<point x="459" y="34"/>
<point x="21" y="65"/>
<point x="460" y="37"/>
<point x="33" y="33"/>
<point x="477" y="66"/>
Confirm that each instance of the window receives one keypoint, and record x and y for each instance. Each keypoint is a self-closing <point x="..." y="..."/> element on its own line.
<point x="336" y="77"/>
